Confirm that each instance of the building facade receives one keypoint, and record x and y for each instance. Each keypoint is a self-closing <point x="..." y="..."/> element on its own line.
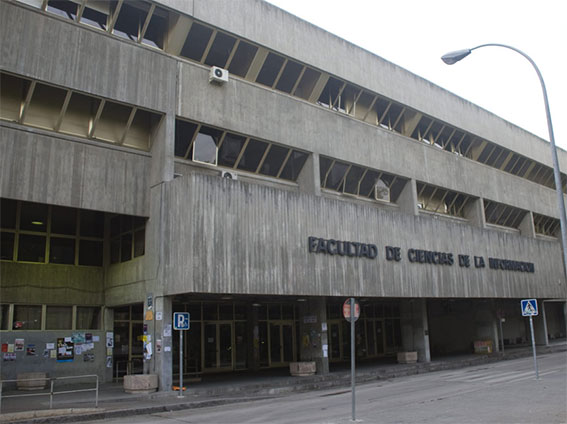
<point x="230" y="160"/>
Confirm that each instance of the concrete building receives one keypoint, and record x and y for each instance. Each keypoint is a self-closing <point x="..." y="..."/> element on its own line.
<point x="228" y="159"/>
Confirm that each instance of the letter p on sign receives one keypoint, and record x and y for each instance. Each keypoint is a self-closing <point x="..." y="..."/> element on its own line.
<point x="181" y="321"/>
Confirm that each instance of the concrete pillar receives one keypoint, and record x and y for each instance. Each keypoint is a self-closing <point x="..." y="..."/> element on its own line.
<point x="415" y="328"/>
<point x="162" y="342"/>
<point x="313" y="339"/>
<point x="527" y="227"/>
<point x="108" y="327"/>
<point x="407" y="201"/>
<point x="309" y="179"/>
<point x="474" y="213"/>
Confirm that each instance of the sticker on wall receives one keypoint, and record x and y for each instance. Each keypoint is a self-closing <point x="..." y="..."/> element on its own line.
<point x="158" y="346"/>
<point x="53" y="354"/>
<point x="4" y="347"/>
<point x="159" y="316"/>
<point x="19" y="343"/>
<point x="109" y="339"/>
<point x="30" y="350"/>
<point x="46" y="353"/>
<point x="11" y="348"/>
<point x="78" y="337"/>
<point x="149" y="315"/>
<point x="78" y="349"/>
<point x="88" y="337"/>
<point x="167" y="331"/>
<point x="50" y="346"/>
<point x="96" y="339"/>
<point x="109" y="362"/>
<point x="88" y="357"/>
<point x="9" y="356"/>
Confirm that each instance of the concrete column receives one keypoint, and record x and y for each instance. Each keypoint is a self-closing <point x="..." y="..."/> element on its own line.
<point x="527" y="227"/>
<point x="407" y="201"/>
<point x="415" y="328"/>
<point x="313" y="340"/>
<point x="309" y="179"/>
<point x="162" y="342"/>
<point x="108" y="327"/>
<point x="474" y="212"/>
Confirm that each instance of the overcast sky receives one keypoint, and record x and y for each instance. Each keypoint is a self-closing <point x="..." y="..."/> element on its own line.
<point x="414" y="34"/>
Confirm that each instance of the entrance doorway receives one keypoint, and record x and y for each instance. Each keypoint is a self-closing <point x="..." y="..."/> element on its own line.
<point x="128" y="344"/>
<point x="218" y="342"/>
<point x="282" y="343"/>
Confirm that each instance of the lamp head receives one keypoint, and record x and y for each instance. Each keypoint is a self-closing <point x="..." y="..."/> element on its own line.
<point x="454" y="57"/>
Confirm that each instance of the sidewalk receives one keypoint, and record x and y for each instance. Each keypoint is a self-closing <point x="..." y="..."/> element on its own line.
<point x="227" y="388"/>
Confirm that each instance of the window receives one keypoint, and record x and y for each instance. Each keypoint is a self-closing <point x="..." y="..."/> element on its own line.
<point x="4" y="316"/>
<point x="127" y="238"/>
<point x="64" y="8"/>
<point x="27" y="317"/>
<point x="252" y="155"/>
<point x="59" y="318"/>
<point x="230" y="150"/>
<point x="220" y="50"/>
<point x="439" y="200"/>
<point x="270" y="69"/>
<point x="88" y="318"/>
<point x="196" y="42"/>
<point x="503" y="215"/>
<point x="289" y="76"/>
<point x="242" y="59"/>
<point x="205" y="145"/>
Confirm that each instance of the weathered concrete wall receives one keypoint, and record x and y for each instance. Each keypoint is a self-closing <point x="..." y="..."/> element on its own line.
<point x="51" y="284"/>
<point x="264" y="24"/>
<point x="47" y="168"/>
<point x="244" y="238"/>
<point x="85" y="59"/>
<point x="241" y="107"/>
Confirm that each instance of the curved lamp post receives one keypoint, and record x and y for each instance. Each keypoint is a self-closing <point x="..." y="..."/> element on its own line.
<point x="453" y="57"/>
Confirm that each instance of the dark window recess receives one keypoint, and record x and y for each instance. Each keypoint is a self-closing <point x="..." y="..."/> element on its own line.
<point x="352" y="179"/>
<point x="88" y="318"/>
<point x="336" y="175"/>
<point x="294" y="165"/>
<point x="274" y="161"/>
<point x="157" y="28"/>
<point x="115" y="225"/>
<point x="62" y="251"/>
<point x="139" y="242"/>
<point x="289" y="76"/>
<point x="331" y="92"/>
<point x="7" y="246"/>
<point x="8" y="210"/>
<point x="115" y="251"/>
<point x="31" y="248"/>
<point x="125" y="223"/>
<point x="230" y="149"/>
<point x="90" y="253"/>
<point x="33" y="217"/>
<point x="126" y="247"/>
<point x="220" y="50"/>
<point x="270" y="69"/>
<point x="64" y="8"/>
<point x="252" y="155"/>
<point x="63" y="220"/>
<point x="92" y="224"/>
<point x="94" y="18"/>
<point x="129" y="22"/>
<point x="184" y="132"/>
<point x="205" y="145"/>
<point x="242" y="59"/>
<point x="307" y="83"/>
<point x="196" y="42"/>
<point x="324" y="165"/>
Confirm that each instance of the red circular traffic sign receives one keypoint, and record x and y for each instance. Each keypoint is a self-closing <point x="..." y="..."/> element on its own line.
<point x="346" y="309"/>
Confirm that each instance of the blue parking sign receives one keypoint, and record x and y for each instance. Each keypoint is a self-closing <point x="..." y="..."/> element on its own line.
<point x="529" y="308"/>
<point x="181" y="321"/>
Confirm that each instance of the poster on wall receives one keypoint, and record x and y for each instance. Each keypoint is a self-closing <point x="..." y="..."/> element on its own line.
<point x="65" y="349"/>
<point x="19" y="345"/>
<point x="109" y="339"/>
<point x="9" y="356"/>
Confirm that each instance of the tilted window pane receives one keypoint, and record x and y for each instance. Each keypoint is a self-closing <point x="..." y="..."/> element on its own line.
<point x="157" y="29"/>
<point x="196" y="42"/>
<point x="220" y="50"/>
<point x="129" y="22"/>
<point x="336" y="175"/>
<point x="230" y="149"/>
<point x="94" y="18"/>
<point x="294" y="165"/>
<point x="352" y="179"/>
<point x="274" y="160"/>
<point x="64" y="8"/>
<point x="252" y="155"/>
<point x="242" y="59"/>
<point x="368" y="183"/>
<point x="184" y="132"/>
<point x="270" y="69"/>
<point x="307" y="83"/>
<point x="289" y="76"/>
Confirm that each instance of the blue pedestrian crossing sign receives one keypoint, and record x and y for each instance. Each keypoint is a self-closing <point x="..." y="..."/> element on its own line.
<point x="529" y="307"/>
<point x="181" y="321"/>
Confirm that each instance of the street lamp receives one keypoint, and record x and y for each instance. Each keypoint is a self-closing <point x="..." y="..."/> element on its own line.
<point x="452" y="58"/>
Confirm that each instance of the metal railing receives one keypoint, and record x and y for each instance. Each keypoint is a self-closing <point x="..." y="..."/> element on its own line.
<point x="52" y="391"/>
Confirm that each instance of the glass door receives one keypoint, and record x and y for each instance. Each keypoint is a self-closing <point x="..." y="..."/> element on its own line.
<point x="335" y="345"/>
<point x="218" y="346"/>
<point x="282" y="343"/>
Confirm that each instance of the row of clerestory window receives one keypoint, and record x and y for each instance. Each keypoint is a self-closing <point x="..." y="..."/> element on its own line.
<point x="147" y="23"/>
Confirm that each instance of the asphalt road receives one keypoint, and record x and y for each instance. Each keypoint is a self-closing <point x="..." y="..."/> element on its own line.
<point x="503" y="392"/>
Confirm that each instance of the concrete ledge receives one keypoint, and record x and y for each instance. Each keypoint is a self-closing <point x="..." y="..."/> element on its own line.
<point x="407" y="357"/>
<point x="32" y="380"/>
<point x="302" y="369"/>
<point x="140" y="383"/>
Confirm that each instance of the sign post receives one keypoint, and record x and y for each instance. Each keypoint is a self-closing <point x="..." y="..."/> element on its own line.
<point x="529" y="309"/>
<point x="351" y="312"/>
<point x="181" y="322"/>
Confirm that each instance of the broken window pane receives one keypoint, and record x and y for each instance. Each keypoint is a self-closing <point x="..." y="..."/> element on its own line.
<point x="331" y="92"/>
<point x="220" y="50"/>
<point x="205" y="145"/>
<point x="270" y="69"/>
